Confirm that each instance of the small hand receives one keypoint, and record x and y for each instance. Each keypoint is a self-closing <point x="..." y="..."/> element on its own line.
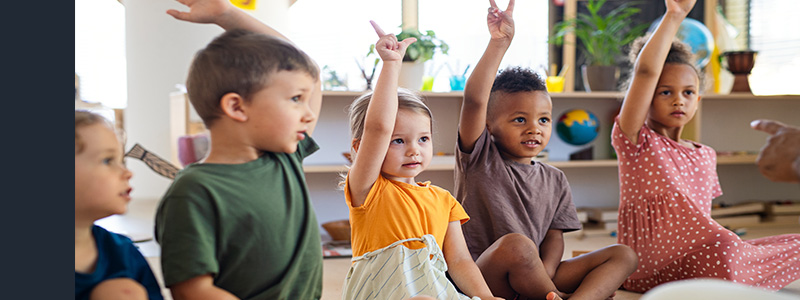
<point x="682" y="7"/>
<point x="388" y="48"/>
<point x="501" y="23"/>
<point x="781" y="152"/>
<point x="202" y="11"/>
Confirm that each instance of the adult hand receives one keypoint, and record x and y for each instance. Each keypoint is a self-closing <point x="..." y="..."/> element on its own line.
<point x="501" y="23"/>
<point x="779" y="159"/>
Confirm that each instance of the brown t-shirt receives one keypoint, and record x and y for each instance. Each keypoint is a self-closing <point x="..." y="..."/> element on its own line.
<point x="503" y="196"/>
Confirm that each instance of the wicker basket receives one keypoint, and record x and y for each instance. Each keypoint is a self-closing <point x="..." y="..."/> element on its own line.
<point x="338" y="230"/>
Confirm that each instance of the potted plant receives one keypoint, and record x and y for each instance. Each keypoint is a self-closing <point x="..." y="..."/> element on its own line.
<point x="417" y="54"/>
<point x="602" y="38"/>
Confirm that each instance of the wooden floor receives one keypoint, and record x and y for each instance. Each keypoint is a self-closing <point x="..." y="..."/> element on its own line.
<point x="138" y="223"/>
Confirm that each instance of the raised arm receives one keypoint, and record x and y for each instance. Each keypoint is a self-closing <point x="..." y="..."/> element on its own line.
<point x="479" y="84"/>
<point x="222" y="13"/>
<point x="227" y="16"/>
<point x="380" y="117"/>
<point x="648" y="66"/>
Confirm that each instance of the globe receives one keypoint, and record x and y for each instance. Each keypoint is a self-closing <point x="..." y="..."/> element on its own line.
<point x="697" y="36"/>
<point x="577" y="127"/>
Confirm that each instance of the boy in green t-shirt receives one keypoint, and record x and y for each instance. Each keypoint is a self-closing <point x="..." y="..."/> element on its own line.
<point x="240" y="224"/>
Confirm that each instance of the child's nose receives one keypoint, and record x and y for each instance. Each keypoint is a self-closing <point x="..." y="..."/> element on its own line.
<point x="308" y="114"/>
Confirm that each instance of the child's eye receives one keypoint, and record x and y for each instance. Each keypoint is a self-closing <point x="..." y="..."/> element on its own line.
<point x="665" y="93"/>
<point x="397" y="141"/>
<point x="519" y="120"/>
<point x="296" y="98"/>
<point x="544" y="120"/>
<point x="424" y="139"/>
<point x="108" y="161"/>
<point x="689" y="92"/>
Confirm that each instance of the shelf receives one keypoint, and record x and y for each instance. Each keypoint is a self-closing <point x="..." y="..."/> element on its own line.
<point x="447" y="163"/>
<point x="585" y="95"/>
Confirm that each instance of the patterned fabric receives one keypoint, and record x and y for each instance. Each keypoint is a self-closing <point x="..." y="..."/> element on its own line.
<point x="666" y="190"/>
<point x="397" y="272"/>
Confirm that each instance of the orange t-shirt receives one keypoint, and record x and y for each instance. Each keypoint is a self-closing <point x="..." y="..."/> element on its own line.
<point x="396" y="210"/>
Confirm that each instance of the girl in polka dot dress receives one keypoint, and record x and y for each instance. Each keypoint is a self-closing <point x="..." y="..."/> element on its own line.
<point x="667" y="184"/>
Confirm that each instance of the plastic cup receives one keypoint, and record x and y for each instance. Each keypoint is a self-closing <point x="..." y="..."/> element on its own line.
<point x="555" y="84"/>
<point x="457" y="82"/>
<point x="427" y="83"/>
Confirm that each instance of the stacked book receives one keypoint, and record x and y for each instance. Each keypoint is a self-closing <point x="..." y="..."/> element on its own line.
<point x="606" y="217"/>
<point x="738" y="215"/>
<point x="783" y="213"/>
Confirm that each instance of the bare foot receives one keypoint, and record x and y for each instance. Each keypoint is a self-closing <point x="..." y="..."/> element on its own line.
<point x="553" y="296"/>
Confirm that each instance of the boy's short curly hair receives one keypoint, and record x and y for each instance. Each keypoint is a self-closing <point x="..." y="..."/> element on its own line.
<point x="679" y="53"/>
<point x="514" y="80"/>
<point x="242" y="62"/>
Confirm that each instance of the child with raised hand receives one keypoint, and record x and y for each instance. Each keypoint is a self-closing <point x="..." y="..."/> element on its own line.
<point x="520" y="208"/>
<point x="240" y="224"/>
<point x="405" y="234"/>
<point x="107" y="265"/>
<point x="667" y="183"/>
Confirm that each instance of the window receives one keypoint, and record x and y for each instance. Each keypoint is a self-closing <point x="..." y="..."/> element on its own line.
<point x="100" y="66"/>
<point x="773" y="33"/>
<point x="337" y="33"/>
<point x="340" y="33"/>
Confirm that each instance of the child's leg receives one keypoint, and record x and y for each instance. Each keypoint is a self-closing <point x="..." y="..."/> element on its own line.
<point x="119" y="288"/>
<point x="511" y="266"/>
<point x="597" y="274"/>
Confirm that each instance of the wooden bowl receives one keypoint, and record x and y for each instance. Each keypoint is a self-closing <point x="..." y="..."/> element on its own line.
<point x="338" y="230"/>
<point x="740" y="62"/>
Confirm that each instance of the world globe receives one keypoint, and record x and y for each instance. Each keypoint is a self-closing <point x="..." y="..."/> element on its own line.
<point x="697" y="36"/>
<point x="577" y="127"/>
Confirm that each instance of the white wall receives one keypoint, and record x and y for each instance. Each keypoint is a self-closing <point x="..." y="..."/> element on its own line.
<point x="159" y="51"/>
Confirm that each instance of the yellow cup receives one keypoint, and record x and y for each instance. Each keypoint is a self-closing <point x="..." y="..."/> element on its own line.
<point x="427" y="83"/>
<point x="555" y="84"/>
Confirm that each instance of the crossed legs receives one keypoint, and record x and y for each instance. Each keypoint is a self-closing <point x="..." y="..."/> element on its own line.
<point x="512" y="267"/>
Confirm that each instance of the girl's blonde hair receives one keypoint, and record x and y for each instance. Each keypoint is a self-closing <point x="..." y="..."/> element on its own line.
<point x="407" y="99"/>
<point x="357" y="112"/>
<point x="84" y="118"/>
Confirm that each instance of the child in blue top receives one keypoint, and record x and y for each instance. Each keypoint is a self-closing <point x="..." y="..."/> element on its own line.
<point x="107" y="265"/>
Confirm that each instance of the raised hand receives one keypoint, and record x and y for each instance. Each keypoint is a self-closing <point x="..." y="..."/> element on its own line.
<point x="501" y="23"/>
<point x="388" y="48"/>
<point x="682" y="7"/>
<point x="202" y="11"/>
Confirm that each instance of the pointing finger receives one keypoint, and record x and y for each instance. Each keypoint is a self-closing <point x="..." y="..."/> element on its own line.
<point x="378" y="29"/>
<point x="767" y="126"/>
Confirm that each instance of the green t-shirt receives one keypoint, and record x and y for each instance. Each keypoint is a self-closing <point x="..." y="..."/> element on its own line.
<point x="251" y="226"/>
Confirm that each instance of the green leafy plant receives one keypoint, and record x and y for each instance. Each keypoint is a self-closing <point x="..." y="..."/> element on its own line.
<point x="426" y="45"/>
<point x="602" y="36"/>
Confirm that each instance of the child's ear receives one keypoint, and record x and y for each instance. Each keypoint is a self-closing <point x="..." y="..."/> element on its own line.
<point x="232" y="105"/>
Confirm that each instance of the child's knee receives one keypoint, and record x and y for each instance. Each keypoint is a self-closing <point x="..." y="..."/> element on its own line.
<point x="119" y="288"/>
<point x="514" y="246"/>
<point x="625" y="254"/>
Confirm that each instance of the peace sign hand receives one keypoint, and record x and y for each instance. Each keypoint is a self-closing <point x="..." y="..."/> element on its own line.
<point x="388" y="48"/>
<point x="501" y="23"/>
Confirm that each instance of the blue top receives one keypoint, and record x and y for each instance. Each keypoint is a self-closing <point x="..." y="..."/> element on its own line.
<point x="117" y="257"/>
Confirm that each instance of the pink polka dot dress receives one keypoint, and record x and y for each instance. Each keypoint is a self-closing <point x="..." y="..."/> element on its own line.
<point x="665" y="215"/>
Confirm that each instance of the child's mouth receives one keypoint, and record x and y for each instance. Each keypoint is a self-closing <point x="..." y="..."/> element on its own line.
<point x="531" y="143"/>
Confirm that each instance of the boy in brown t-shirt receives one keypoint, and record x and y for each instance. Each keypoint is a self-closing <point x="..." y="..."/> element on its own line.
<point x="521" y="208"/>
